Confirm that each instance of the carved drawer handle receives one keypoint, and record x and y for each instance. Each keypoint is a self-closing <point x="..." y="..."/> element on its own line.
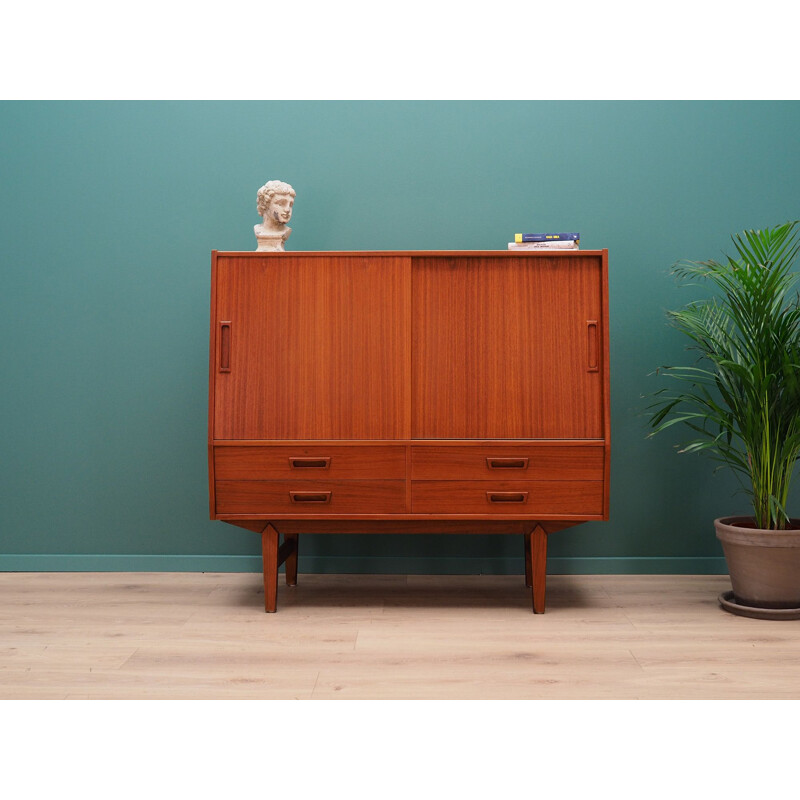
<point x="298" y="462"/>
<point x="310" y="497"/>
<point x="507" y="497"/>
<point x="507" y="463"/>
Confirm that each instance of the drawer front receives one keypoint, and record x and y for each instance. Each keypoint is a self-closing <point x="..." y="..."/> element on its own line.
<point x="512" y="498"/>
<point x="304" y="497"/>
<point x="309" y="462"/>
<point x="507" y="462"/>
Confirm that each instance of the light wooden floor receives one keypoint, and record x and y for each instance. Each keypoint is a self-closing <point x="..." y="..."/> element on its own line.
<point x="194" y="635"/>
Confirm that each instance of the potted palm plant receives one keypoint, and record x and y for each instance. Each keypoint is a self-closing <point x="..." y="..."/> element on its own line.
<point x="741" y="401"/>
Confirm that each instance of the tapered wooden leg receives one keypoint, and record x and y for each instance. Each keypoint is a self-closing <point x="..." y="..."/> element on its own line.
<point x="269" y="554"/>
<point x="527" y="537"/>
<point x="539" y="567"/>
<point x="291" y="559"/>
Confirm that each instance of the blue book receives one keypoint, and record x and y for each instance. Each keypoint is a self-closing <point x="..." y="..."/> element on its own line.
<point x="546" y="237"/>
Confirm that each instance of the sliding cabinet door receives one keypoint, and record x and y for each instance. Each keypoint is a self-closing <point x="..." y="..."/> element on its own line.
<point x="311" y="347"/>
<point x="507" y="347"/>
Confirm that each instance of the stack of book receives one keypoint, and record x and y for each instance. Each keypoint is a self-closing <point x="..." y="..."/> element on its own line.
<point x="545" y="241"/>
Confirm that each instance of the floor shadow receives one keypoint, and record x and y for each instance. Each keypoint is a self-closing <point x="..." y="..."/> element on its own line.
<point x="415" y="591"/>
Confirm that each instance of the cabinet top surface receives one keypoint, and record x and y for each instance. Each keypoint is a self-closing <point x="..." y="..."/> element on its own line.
<point x="416" y="253"/>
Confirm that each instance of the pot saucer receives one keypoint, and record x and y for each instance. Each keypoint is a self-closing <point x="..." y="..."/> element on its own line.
<point x="727" y="602"/>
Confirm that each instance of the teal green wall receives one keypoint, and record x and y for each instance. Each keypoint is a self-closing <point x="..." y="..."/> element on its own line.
<point x="108" y="212"/>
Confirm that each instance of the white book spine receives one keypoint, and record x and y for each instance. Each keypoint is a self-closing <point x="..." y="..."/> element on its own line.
<point x="560" y="245"/>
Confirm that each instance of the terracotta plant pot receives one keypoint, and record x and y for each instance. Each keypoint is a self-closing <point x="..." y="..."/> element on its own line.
<point x="764" y="565"/>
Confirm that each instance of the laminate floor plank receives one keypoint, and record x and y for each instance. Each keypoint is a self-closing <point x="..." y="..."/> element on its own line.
<point x="206" y="636"/>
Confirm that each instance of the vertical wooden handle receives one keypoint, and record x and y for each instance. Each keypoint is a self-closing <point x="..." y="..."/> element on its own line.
<point x="593" y="360"/>
<point x="225" y="346"/>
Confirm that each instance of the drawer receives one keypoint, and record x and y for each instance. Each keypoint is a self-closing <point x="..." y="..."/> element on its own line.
<point x="309" y="462"/>
<point x="303" y="497"/>
<point x="512" y="498"/>
<point x="507" y="462"/>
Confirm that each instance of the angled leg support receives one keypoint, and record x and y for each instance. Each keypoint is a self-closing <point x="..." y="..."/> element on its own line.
<point x="528" y="569"/>
<point x="273" y="555"/>
<point x="538" y="544"/>
<point x="291" y="559"/>
<point x="269" y="554"/>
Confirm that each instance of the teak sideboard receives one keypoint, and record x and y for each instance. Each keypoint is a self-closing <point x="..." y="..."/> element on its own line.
<point x="408" y="392"/>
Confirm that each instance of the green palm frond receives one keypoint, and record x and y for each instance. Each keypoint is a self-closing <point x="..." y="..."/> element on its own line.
<point x="741" y="395"/>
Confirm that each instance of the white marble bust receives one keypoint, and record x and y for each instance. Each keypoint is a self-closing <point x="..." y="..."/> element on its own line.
<point x="275" y="201"/>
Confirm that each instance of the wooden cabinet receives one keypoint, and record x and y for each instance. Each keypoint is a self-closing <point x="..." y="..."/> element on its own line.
<point x="412" y="392"/>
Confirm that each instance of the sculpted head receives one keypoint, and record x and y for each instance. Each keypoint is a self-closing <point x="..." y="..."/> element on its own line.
<point x="275" y="200"/>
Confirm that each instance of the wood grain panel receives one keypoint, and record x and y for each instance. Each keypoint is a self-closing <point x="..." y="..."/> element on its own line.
<point x="343" y="497"/>
<point x="315" y="462"/>
<point x="519" y="462"/>
<point x="318" y="348"/>
<point x="541" y="498"/>
<point x="507" y="348"/>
